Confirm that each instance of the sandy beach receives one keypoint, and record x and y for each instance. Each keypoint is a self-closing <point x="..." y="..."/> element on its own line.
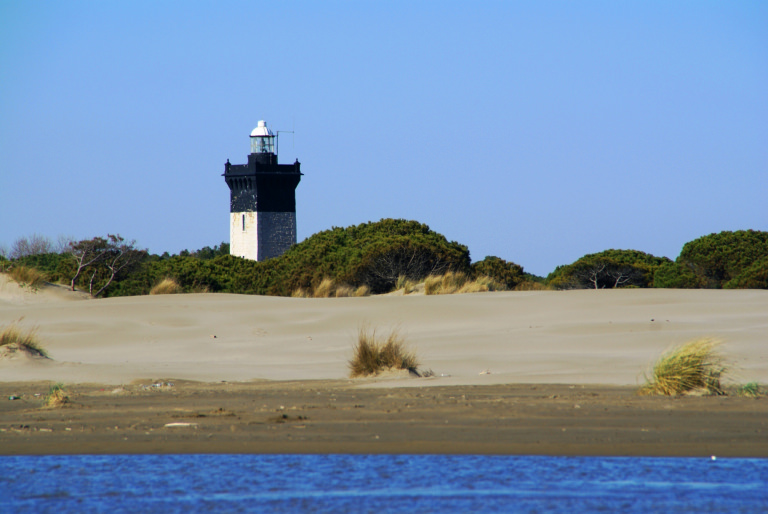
<point x="542" y="372"/>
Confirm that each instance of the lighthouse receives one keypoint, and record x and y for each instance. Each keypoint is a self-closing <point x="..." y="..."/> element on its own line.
<point x="262" y="200"/>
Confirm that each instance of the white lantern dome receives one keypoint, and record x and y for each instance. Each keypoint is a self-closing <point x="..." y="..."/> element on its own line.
<point x="262" y="139"/>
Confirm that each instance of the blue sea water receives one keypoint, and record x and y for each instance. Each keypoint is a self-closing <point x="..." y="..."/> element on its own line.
<point x="380" y="483"/>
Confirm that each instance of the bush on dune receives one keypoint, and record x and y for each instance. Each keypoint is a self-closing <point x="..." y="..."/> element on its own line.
<point x="509" y="274"/>
<point x="717" y="259"/>
<point x="675" y="275"/>
<point x="374" y="255"/>
<point x="392" y="254"/>
<point x="753" y="277"/>
<point x="607" y="270"/>
<point x="693" y="366"/>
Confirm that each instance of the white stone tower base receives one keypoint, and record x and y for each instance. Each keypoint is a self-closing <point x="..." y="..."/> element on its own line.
<point x="261" y="235"/>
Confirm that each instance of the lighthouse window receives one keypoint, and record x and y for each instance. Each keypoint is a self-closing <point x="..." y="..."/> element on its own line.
<point x="243" y="222"/>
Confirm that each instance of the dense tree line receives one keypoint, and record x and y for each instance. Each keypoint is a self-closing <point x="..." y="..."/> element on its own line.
<point x="724" y="260"/>
<point x="371" y="254"/>
<point x="376" y="255"/>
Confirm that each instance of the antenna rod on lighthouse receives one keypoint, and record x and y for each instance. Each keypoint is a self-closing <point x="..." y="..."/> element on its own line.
<point x="277" y="139"/>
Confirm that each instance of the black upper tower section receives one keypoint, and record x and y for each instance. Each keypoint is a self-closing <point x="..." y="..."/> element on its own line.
<point x="262" y="185"/>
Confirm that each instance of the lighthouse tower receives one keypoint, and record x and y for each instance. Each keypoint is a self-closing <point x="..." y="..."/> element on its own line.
<point x="262" y="200"/>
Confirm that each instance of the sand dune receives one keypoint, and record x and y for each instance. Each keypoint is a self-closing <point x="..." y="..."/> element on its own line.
<point x="580" y="337"/>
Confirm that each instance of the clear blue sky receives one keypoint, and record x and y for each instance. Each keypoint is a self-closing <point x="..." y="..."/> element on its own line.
<point x="536" y="131"/>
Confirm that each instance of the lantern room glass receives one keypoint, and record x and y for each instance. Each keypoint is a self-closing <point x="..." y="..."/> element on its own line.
<point x="262" y="144"/>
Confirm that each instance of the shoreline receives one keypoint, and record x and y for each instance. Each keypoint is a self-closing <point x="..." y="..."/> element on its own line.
<point x="339" y="416"/>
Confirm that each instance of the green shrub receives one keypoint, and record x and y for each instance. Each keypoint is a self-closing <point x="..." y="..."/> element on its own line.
<point x="753" y="277"/>
<point x="371" y="254"/>
<point x="719" y="258"/>
<point x="507" y="273"/>
<point x="608" y="269"/>
<point x="675" y="275"/>
<point x="55" y="266"/>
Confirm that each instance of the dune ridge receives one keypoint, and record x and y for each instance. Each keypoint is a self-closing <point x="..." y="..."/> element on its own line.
<point x="581" y="337"/>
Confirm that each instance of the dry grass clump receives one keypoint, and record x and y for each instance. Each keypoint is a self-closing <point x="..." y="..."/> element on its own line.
<point x="481" y="284"/>
<point x="363" y="290"/>
<point x="693" y="366"/>
<point x="458" y="282"/>
<point x="301" y="293"/>
<point x="325" y="289"/>
<point x="14" y="339"/>
<point x="448" y="283"/>
<point x="56" y="397"/>
<point x="167" y="285"/>
<point x="345" y="290"/>
<point x="372" y="354"/>
<point x="329" y="289"/>
<point x="27" y="276"/>
<point x="406" y="284"/>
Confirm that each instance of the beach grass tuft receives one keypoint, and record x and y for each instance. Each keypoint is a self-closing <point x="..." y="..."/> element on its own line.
<point x="750" y="390"/>
<point x="373" y="354"/>
<point x="363" y="290"/>
<point x="406" y="284"/>
<point x="16" y="339"/>
<point x="693" y="366"/>
<point x="300" y="292"/>
<point x="344" y="291"/>
<point x="168" y="285"/>
<point x="330" y="289"/>
<point x="28" y="276"/>
<point x="325" y="289"/>
<point x="458" y="282"/>
<point x="57" y="396"/>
